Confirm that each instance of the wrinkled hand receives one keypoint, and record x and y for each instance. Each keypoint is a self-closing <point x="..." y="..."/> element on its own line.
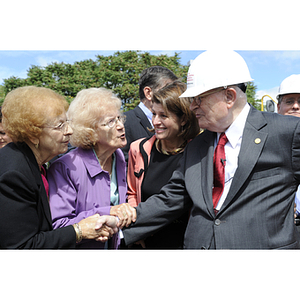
<point x="107" y="227"/>
<point x="125" y="212"/>
<point x="99" y="228"/>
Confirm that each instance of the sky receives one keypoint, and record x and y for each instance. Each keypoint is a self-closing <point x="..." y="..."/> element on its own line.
<point x="267" y="36"/>
<point x="267" y="67"/>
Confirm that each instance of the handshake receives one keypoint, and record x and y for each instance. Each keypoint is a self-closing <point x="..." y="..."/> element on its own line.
<point x="101" y="228"/>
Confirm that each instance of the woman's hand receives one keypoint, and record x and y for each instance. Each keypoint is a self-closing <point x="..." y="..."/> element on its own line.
<point x="98" y="227"/>
<point x="125" y="212"/>
<point x="106" y="224"/>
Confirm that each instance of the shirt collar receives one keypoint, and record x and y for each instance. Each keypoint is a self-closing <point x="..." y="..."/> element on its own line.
<point x="90" y="161"/>
<point x="146" y="111"/>
<point x="235" y="131"/>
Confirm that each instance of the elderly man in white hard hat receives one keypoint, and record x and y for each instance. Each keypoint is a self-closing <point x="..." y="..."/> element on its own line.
<point x="289" y="104"/>
<point x="239" y="177"/>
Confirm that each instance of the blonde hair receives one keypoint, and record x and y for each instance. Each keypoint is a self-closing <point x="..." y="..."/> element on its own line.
<point x="26" y="110"/>
<point x="84" y="112"/>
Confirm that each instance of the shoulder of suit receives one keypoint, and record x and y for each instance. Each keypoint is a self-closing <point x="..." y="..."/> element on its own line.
<point x="20" y="159"/>
<point x="128" y="113"/>
<point x="17" y="152"/>
<point x="204" y="138"/>
<point x="270" y="116"/>
<point x="134" y="111"/>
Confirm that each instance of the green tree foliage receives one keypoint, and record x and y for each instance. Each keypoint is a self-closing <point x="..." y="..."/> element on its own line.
<point x="2" y="94"/>
<point x="119" y="72"/>
<point x="251" y="91"/>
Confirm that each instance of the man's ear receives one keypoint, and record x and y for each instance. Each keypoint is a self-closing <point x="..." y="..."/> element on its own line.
<point x="230" y="96"/>
<point x="148" y="93"/>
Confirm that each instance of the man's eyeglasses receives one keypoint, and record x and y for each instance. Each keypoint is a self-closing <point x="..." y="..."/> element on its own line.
<point x="112" y="123"/>
<point x="197" y="99"/>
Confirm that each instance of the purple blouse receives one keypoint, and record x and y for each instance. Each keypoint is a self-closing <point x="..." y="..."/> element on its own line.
<point x="79" y="188"/>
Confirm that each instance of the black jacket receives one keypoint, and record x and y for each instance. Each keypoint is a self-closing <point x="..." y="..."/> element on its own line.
<point x="25" y="217"/>
<point x="136" y="127"/>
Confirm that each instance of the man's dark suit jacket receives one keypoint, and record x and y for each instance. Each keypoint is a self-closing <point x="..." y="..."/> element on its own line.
<point x="25" y="217"/>
<point x="136" y="125"/>
<point x="258" y="210"/>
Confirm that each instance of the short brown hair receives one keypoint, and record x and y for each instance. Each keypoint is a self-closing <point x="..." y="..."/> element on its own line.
<point x="154" y="77"/>
<point x="26" y="110"/>
<point x="168" y="97"/>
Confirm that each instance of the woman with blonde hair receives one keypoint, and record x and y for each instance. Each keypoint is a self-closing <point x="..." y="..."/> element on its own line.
<point x="35" y="119"/>
<point x="92" y="178"/>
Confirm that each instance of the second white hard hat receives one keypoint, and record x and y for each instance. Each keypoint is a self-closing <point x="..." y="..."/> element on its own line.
<point x="290" y="85"/>
<point x="212" y="69"/>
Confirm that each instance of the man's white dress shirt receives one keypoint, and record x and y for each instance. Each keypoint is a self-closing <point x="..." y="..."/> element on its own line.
<point x="232" y="149"/>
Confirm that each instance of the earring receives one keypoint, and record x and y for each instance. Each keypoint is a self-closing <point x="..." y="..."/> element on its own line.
<point x="36" y="146"/>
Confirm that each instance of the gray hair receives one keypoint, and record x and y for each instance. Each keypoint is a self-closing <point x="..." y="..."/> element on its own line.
<point x="84" y="113"/>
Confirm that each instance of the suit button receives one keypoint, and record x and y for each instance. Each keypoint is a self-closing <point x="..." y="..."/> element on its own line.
<point x="217" y="222"/>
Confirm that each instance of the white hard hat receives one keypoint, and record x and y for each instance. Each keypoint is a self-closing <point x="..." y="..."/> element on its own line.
<point x="212" y="69"/>
<point x="290" y="85"/>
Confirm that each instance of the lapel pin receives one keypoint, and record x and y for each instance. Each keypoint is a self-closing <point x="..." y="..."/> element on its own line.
<point x="257" y="140"/>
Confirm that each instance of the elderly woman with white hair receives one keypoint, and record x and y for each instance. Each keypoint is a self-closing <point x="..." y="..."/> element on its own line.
<point x="92" y="178"/>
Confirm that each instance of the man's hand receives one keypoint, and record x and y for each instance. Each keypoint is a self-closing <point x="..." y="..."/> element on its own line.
<point x="126" y="214"/>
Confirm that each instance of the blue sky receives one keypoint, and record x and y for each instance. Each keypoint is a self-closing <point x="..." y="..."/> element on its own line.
<point x="266" y="34"/>
<point x="267" y="68"/>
